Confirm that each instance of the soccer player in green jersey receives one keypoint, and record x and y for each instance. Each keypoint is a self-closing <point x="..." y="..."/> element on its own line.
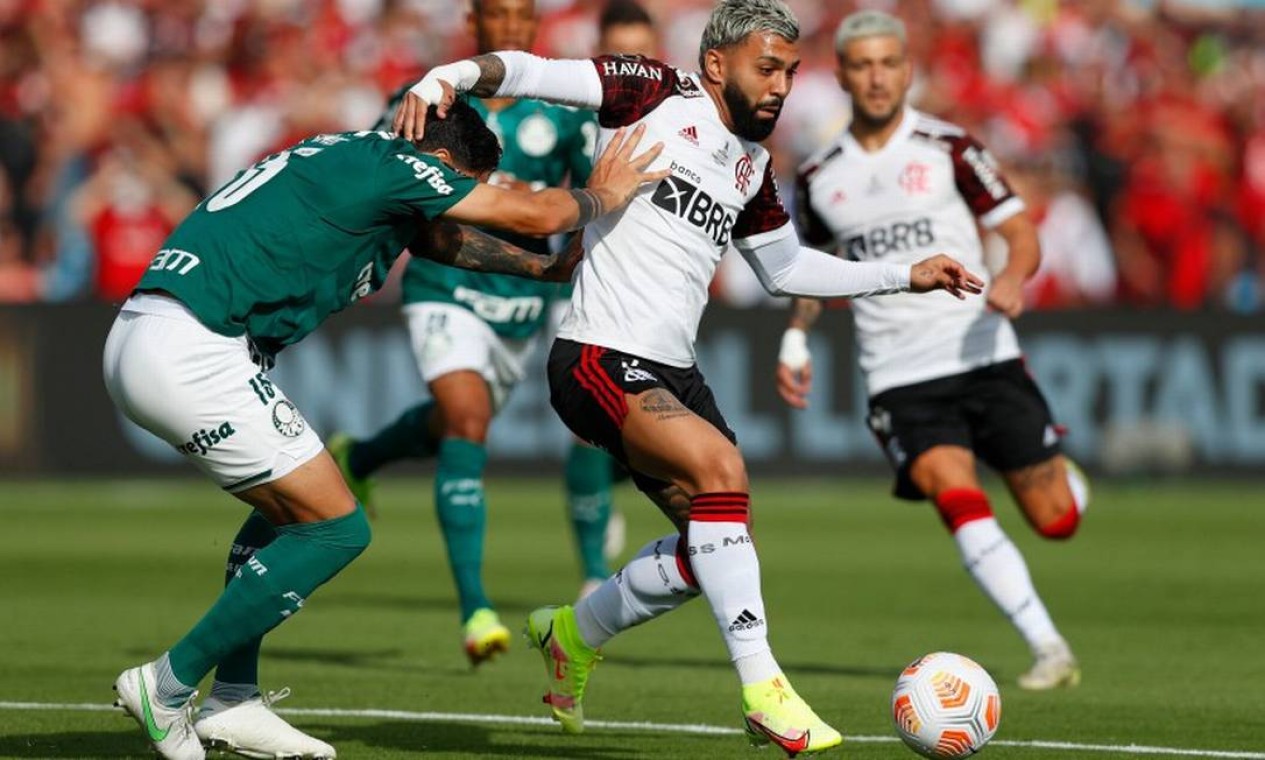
<point x="254" y="268"/>
<point x="472" y="334"/>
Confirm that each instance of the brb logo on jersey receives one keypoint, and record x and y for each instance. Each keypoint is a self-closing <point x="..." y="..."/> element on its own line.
<point x="897" y="237"/>
<point x="682" y="198"/>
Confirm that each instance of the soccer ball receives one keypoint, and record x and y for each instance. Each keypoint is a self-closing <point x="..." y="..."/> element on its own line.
<point x="946" y="706"/>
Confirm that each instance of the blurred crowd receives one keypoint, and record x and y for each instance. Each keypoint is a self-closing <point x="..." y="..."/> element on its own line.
<point x="1136" y="131"/>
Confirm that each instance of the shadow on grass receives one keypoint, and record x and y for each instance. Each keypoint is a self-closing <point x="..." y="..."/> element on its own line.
<point x="76" y="744"/>
<point x="396" y="736"/>
<point x="509" y="609"/>
<point x="484" y="741"/>
<point x="385" y="660"/>
<point x="791" y="668"/>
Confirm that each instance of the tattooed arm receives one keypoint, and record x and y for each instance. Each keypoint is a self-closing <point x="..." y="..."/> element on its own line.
<point x="804" y="313"/>
<point x="615" y="179"/>
<point x="467" y="248"/>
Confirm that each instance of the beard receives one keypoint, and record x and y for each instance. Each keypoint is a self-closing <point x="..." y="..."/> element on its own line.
<point x="748" y="124"/>
<point x="877" y="119"/>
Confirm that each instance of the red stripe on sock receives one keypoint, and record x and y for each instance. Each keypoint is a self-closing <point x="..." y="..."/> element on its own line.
<point x="683" y="561"/>
<point x="1064" y="527"/>
<point x="720" y="507"/>
<point x="959" y="506"/>
<point x="736" y="516"/>
<point x="726" y="495"/>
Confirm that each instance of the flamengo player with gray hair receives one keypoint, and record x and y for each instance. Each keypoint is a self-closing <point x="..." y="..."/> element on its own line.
<point x="622" y="372"/>
<point x="946" y="379"/>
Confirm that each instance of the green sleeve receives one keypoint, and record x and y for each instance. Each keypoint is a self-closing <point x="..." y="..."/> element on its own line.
<point x="421" y="183"/>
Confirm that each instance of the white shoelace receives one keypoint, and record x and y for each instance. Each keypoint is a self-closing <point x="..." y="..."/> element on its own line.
<point x="273" y="697"/>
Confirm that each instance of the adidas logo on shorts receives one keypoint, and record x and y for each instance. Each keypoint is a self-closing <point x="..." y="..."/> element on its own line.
<point x="635" y="374"/>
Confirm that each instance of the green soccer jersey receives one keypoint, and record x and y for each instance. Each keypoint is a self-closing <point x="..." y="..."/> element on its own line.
<point x="302" y="234"/>
<point x="543" y="145"/>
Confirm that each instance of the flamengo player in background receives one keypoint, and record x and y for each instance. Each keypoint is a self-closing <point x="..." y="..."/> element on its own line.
<point x="946" y="379"/>
<point x="622" y="372"/>
<point x="254" y="268"/>
<point x="471" y="335"/>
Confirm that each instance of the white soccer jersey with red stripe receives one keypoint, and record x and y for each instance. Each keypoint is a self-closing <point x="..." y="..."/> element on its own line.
<point x="642" y="285"/>
<point x="919" y="195"/>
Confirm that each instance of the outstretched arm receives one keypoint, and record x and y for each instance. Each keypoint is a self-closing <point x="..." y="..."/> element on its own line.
<point x="785" y="268"/>
<point x="507" y="74"/>
<point x="467" y="248"/>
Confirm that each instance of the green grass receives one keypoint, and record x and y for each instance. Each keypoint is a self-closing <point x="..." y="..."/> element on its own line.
<point x="1161" y="596"/>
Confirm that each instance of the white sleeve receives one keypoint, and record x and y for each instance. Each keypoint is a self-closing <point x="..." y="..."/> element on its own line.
<point x="786" y="268"/>
<point x="570" y="82"/>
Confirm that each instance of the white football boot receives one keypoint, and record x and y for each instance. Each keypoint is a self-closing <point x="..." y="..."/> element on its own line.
<point x="1055" y="666"/>
<point x="169" y="729"/>
<point x="252" y="729"/>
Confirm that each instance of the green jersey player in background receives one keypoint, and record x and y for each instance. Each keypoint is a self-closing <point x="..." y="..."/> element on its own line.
<point x="254" y="268"/>
<point x="472" y="334"/>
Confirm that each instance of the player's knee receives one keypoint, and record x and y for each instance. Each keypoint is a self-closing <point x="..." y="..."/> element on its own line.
<point x="472" y="426"/>
<point x="725" y="471"/>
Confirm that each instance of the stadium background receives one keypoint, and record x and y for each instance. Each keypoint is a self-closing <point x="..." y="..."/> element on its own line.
<point x="1136" y="131"/>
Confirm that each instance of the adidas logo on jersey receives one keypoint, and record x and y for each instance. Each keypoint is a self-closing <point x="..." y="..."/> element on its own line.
<point x="690" y="134"/>
<point x="745" y="622"/>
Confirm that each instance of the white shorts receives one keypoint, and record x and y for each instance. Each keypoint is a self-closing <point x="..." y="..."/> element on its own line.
<point x="449" y="338"/>
<point x="200" y="392"/>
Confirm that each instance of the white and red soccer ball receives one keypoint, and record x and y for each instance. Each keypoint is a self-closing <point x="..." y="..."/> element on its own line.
<point x="946" y="706"/>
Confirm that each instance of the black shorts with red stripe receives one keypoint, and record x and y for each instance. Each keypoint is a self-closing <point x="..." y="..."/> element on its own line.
<point x="588" y="386"/>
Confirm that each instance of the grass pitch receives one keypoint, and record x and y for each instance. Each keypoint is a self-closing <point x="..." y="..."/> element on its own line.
<point x="1160" y="596"/>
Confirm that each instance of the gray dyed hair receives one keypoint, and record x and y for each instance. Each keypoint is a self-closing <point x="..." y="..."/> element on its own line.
<point x="868" y="24"/>
<point x="732" y="20"/>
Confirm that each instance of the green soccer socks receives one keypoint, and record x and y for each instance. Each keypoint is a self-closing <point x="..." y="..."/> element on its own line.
<point x="463" y="517"/>
<point x="588" y="477"/>
<point x="240" y="668"/>
<point x="270" y="586"/>
<point x="408" y="436"/>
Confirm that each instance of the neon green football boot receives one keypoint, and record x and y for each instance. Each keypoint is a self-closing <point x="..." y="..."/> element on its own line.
<point x="773" y="712"/>
<point x="568" y="662"/>
<point x="485" y="637"/>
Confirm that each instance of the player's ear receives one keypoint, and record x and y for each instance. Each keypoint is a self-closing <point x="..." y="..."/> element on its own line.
<point x="714" y="66"/>
<point x="443" y="155"/>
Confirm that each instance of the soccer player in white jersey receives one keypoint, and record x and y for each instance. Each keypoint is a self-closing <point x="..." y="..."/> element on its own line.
<point x="622" y="372"/>
<point x="945" y="378"/>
